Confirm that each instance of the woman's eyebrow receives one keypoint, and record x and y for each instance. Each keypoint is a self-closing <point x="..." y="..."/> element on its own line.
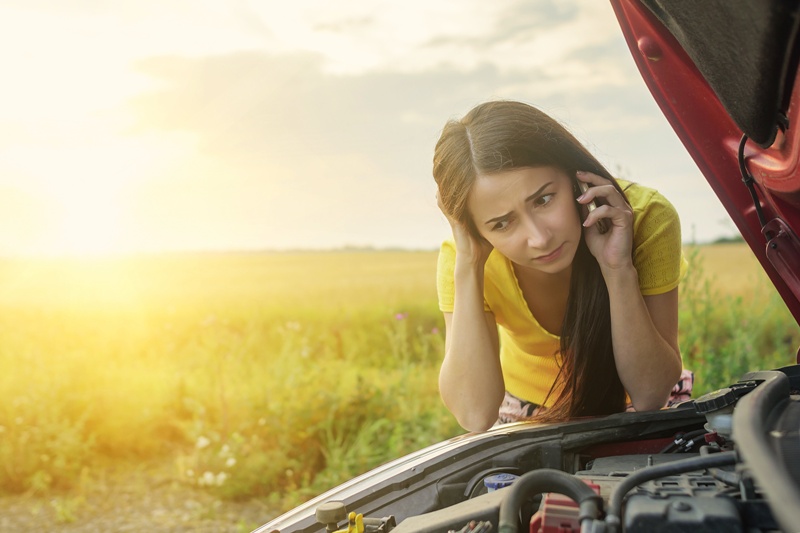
<point x="529" y="198"/>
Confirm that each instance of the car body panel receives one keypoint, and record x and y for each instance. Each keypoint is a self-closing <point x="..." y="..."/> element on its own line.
<point x="712" y="138"/>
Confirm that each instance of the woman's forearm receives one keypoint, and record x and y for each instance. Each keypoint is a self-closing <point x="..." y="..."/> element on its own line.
<point x="645" y="350"/>
<point x="470" y="380"/>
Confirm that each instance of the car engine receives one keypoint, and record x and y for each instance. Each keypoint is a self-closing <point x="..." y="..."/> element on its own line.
<point x="728" y="461"/>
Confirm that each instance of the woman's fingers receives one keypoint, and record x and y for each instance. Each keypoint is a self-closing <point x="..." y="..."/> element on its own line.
<point x="600" y="188"/>
<point x="606" y="194"/>
<point x="618" y="216"/>
<point x="472" y="246"/>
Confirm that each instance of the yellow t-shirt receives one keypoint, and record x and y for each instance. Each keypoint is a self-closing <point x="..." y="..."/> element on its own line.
<point x="528" y="353"/>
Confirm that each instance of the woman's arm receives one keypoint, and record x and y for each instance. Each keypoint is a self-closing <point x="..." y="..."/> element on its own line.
<point x="644" y="329"/>
<point x="470" y="380"/>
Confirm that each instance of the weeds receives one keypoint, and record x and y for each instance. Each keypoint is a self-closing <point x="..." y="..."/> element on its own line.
<point x="724" y="334"/>
<point x="270" y="376"/>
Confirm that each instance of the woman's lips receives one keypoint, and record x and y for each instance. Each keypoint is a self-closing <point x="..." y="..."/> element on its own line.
<point x="552" y="256"/>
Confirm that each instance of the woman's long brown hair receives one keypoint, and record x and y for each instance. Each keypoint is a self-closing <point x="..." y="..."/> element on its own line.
<point x="502" y="135"/>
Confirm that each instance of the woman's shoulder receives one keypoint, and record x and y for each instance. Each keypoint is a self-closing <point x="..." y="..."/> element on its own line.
<point x="658" y="252"/>
<point x="642" y="197"/>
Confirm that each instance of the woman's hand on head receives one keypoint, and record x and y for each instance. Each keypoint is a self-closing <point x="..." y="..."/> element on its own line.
<point x="611" y="248"/>
<point x="474" y="249"/>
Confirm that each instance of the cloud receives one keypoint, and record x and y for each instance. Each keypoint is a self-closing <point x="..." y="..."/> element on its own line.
<point x="68" y="7"/>
<point x="518" y="23"/>
<point x="283" y="145"/>
<point x="347" y="26"/>
<point x="313" y="124"/>
<point x="346" y="158"/>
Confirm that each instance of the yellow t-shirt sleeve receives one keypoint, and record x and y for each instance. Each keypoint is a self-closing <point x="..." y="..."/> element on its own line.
<point x="658" y="251"/>
<point x="445" y="282"/>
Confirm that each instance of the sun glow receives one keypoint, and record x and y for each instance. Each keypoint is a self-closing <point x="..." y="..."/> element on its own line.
<point x="82" y="189"/>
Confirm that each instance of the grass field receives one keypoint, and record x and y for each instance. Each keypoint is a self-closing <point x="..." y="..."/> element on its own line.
<point x="276" y="376"/>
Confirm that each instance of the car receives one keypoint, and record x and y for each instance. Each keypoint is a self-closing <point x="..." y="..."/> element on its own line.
<point x="724" y="74"/>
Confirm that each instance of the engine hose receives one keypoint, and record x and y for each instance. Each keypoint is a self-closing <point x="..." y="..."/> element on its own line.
<point x="546" y="480"/>
<point x="729" y="478"/>
<point x="680" y="440"/>
<point x="654" y="472"/>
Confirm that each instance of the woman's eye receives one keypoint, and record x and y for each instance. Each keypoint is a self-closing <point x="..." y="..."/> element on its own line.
<point x="500" y="225"/>
<point x="543" y="200"/>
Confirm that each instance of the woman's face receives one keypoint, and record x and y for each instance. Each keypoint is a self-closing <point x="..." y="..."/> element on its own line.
<point x="528" y="215"/>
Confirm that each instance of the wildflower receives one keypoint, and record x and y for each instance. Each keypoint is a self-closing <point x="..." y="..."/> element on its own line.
<point x="401" y="316"/>
<point x="207" y="479"/>
<point x="220" y="479"/>
<point x="230" y="462"/>
<point x="435" y="331"/>
<point x="202" y="442"/>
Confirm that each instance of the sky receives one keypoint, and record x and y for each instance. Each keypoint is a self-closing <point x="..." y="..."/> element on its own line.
<point x="263" y="125"/>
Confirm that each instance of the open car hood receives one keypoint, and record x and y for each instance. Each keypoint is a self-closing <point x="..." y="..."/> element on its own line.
<point x="724" y="74"/>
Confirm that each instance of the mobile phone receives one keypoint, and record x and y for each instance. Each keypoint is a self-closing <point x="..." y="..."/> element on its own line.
<point x="585" y="187"/>
<point x="602" y="224"/>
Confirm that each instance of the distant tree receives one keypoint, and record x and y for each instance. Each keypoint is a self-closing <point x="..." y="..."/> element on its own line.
<point x="728" y="239"/>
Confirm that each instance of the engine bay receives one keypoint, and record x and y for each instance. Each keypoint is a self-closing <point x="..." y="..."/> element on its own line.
<point x="728" y="461"/>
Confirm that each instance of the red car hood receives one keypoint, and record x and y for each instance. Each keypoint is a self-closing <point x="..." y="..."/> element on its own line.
<point x="724" y="74"/>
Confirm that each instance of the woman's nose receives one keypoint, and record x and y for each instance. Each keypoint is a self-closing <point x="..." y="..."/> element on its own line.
<point x="537" y="234"/>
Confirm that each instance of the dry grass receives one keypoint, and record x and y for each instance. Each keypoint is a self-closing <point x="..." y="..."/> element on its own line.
<point x="730" y="268"/>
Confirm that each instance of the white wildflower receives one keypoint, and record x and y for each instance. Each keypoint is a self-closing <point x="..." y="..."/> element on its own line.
<point x="207" y="479"/>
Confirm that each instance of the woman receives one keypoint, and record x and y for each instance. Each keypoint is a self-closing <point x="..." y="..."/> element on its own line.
<point x="547" y="315"/>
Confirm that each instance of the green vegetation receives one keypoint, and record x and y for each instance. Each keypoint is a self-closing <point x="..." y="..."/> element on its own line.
<point x="273" y="376"/>
<point x="732" y="320"/>
<point x="266" y="375"/>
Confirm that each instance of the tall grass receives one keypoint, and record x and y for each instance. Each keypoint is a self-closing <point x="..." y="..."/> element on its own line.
<point x="269" y="375"/>
<point x="731" y="318"/>
<point x="261" y="375"/>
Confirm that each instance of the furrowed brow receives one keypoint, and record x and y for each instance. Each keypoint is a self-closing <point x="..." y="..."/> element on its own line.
<point x="529" y="198"/>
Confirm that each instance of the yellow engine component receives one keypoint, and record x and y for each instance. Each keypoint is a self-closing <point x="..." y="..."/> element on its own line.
<point x="355" y="523"/>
